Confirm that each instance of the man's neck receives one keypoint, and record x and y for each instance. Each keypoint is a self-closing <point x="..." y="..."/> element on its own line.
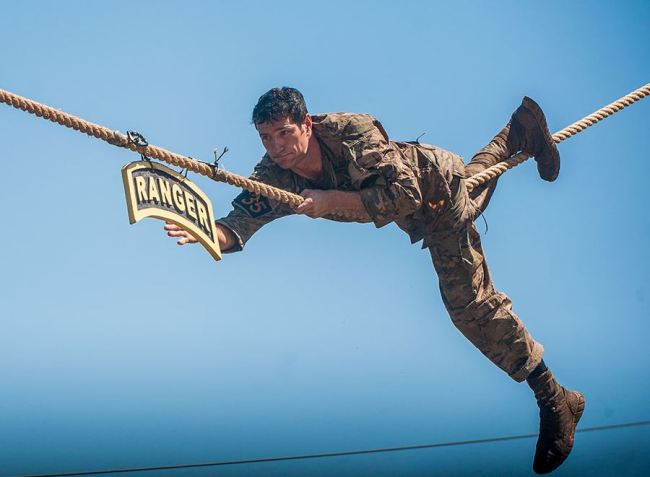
<point x="311" y="167"/>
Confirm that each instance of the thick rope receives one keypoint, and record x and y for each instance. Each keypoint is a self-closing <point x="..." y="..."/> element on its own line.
<point x="495" y="171"/>
<point x="118" y="139"/>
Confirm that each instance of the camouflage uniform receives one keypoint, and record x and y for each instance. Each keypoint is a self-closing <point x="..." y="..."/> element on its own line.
<point x="420" y="188"/>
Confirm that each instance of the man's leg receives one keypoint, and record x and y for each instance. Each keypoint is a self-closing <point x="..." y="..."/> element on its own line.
<point x="485" y="317"/>
<point x="481" y="313"/>
<point x="500" y="148"/>
<point x="497" y="150"/>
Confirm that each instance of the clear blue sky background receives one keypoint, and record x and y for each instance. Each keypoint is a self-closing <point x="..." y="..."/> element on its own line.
<point x="119" y="348"/>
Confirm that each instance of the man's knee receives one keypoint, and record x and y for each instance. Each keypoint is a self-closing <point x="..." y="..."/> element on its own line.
<point x="490" y="324"/>
<point x="480" y="162"/>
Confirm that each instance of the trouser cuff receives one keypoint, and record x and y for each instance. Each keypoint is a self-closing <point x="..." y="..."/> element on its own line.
<point x="536" y="354"/>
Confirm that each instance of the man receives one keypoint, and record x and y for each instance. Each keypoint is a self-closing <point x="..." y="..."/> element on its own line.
<point x="347" y="169"/>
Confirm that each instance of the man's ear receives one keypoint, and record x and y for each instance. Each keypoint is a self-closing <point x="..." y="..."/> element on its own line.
<point x="306" y="124"/>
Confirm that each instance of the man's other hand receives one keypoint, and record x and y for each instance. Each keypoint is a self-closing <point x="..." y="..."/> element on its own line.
<point x="317" y="203"/>
<point x="174" y="230"/>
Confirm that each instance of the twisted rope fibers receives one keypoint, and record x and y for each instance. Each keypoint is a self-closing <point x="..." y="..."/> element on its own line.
<point x="334" y="454"/>
<point x="118" y="139"/>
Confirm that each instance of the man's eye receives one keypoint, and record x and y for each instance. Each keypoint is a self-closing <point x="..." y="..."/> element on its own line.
<point x="284" y="133"/>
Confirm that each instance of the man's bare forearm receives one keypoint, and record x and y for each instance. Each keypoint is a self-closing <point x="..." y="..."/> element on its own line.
<point x="226" y="237"/>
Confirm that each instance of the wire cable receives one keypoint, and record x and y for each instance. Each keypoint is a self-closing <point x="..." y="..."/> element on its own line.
<point x="333" y="454"/>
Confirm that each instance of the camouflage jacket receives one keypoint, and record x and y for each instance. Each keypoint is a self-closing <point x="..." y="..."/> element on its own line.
<point x="398" y="181"/>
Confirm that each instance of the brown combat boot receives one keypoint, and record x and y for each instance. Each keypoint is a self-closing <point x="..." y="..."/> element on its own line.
<point x="529" y="133"/>
<point x="559" y="411"/>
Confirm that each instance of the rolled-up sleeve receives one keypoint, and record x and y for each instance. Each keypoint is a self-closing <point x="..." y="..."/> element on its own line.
<point x="252" y="211"/>
<point x="387" y="182"/>
<point x="395" y="199"/>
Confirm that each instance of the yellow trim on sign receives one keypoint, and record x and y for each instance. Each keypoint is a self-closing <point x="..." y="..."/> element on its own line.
<point x="136" y="214"/>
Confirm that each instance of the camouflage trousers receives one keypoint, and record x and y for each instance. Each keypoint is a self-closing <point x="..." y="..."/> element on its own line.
<point x="481" y="313"/>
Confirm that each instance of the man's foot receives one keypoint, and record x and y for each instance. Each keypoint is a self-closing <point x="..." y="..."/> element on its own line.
<point x="559" y="411"/>
<point x="530" y="134"/>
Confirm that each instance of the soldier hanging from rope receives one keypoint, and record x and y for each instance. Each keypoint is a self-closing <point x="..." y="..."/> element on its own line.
<point x="347" y="169"/>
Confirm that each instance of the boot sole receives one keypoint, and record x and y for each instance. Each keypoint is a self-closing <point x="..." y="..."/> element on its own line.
<point x="581" y="407"/>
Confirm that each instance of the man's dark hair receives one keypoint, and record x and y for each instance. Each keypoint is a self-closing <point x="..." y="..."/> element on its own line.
<point x="280" y="103"/>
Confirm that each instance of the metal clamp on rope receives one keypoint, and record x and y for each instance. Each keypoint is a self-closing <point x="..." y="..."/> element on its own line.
<point x="136" y="138"/>
<point x="139" y="140"/>
<point x="217" y="157"/>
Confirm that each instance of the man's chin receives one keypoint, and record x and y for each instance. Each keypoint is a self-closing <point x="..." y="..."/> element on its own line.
<point x="283" y="162"/>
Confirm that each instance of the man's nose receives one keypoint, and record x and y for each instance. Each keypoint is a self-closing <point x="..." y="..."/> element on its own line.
<point x="277" y="145"/>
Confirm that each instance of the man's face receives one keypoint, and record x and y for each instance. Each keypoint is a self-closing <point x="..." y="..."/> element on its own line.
<point x="285" y="141"/>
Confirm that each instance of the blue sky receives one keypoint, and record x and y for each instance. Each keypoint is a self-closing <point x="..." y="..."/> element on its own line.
<point x="119" y="348"/>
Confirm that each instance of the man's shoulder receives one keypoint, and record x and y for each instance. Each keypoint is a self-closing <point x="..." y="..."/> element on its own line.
<point x="341" y="119"/>
<point x="345" y="125"/>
